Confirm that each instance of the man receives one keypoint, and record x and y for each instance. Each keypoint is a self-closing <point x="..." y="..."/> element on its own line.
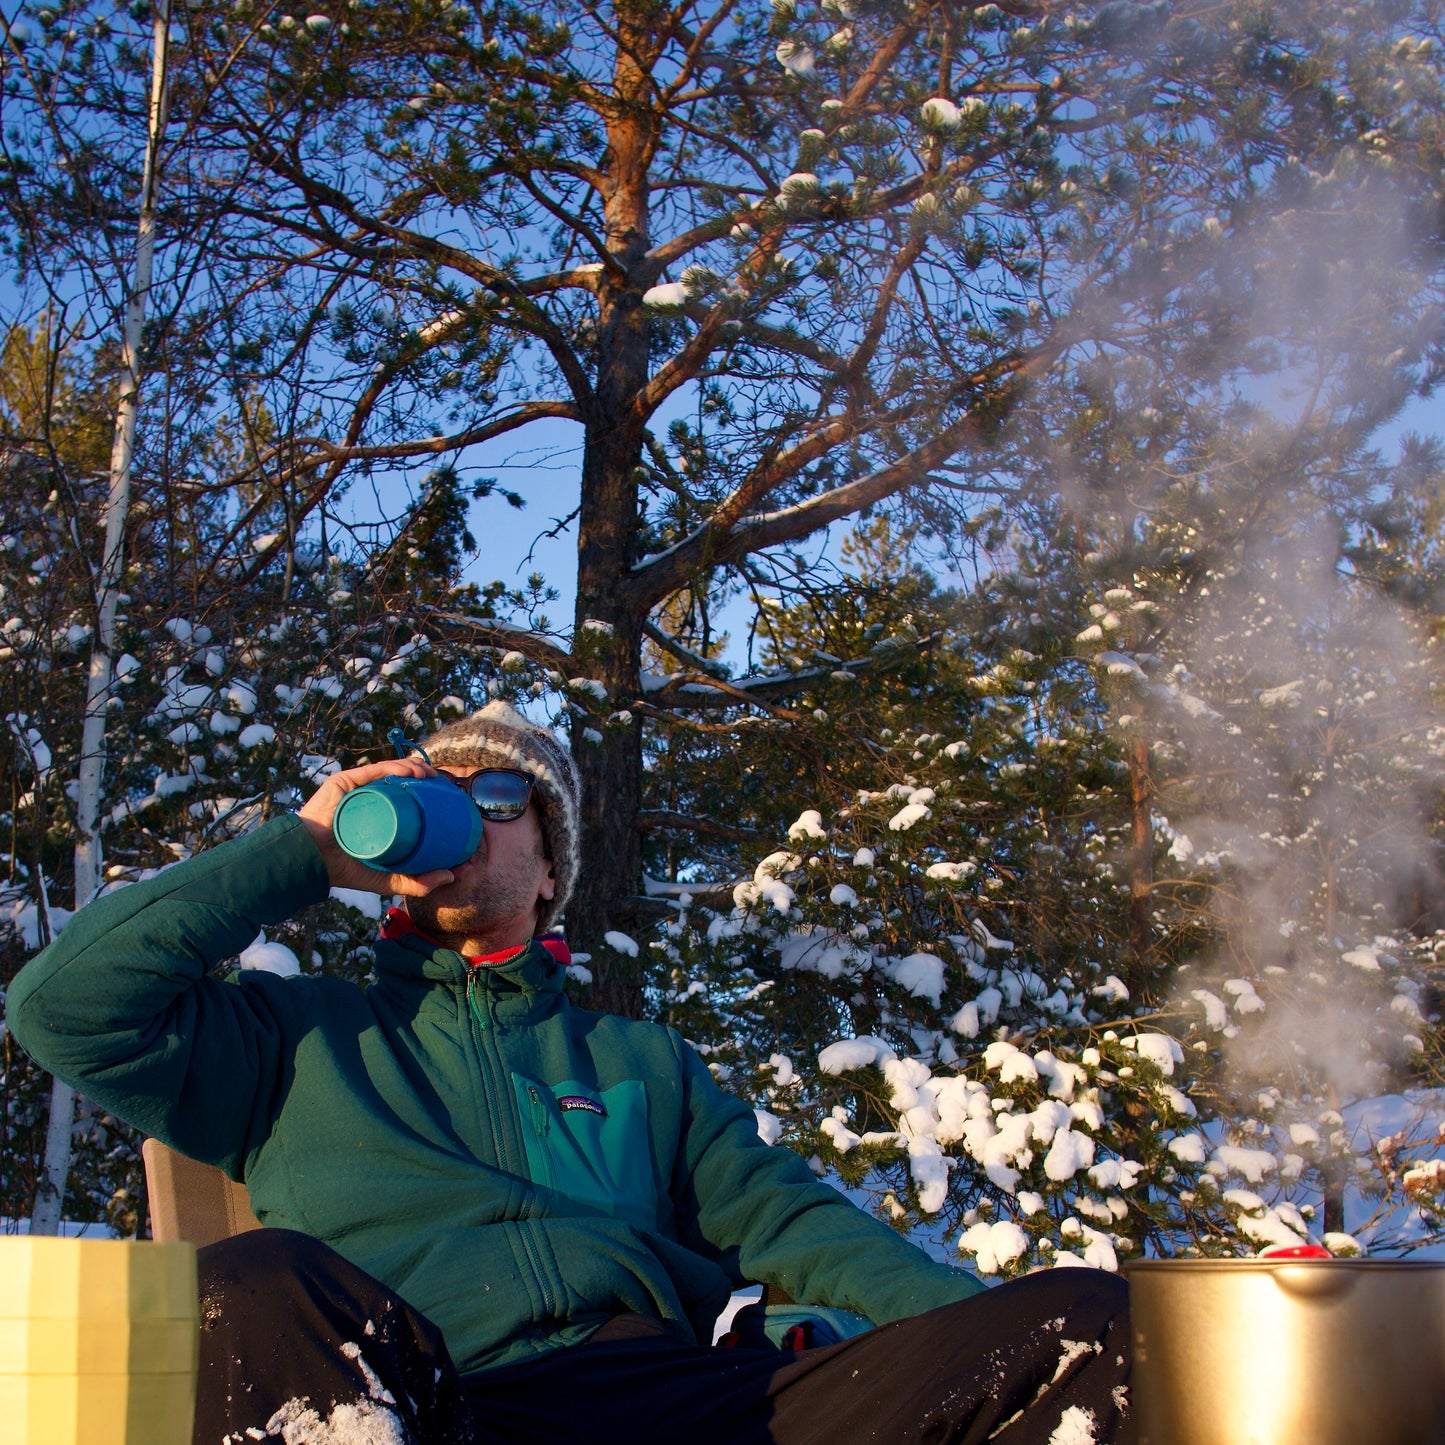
<point x="490" y="1215"/>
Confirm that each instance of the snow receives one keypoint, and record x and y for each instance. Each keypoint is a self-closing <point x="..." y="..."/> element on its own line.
<point x="981" y="932"/>
<point x="296" y="1423"/>
<point x="1246" y="1000"/>
<point x="1048" y="1119"/>
<point x="796" y="58"/>
<point x="843" y="895"/>
<point x="24" y="917"/>
<point x="1070" y="1152"/>
<point x="994" y="1245"/>
<point x="907" y="816"/>
<point x="951" y="872"/>
<point x="671" y="294"/>
<point x="370" y="905"/>
<point x="989" y="1002"/>
<point x="1250" y="1164"/>
<point x="621" y="942"/>
<point x="1159" y="1049"/>
<point x="1290" y="695"/>
<point x="1013" y="1065"/>
<point x="1118" y="664"/>
<point x="1216" y="1013"/>
<point x="269" y="958"/>
<point x="770" y="1127"/>
<point x="257" y="735"/>
<point x="928" y="1168"/>
<point x="1075" y="1427"/>
<point x="846" y="1054"/>
<point x="921" y="974"/>
<point x="1189" y="1148"/>
<point x="809" y="825"/>
<point x="242" y="697"/>
<point x="1112" y="990"/>
<point x="69" y="1228"/>
<point x="772" y="891"/>
<point x="941" y="113"/>
<point x="1365" y="958"/>
<point x="1115" y="1173"/>
<point x="966" y="1021"/>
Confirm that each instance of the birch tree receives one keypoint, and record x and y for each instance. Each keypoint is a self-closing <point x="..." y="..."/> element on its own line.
<point x="49" y="1199"/>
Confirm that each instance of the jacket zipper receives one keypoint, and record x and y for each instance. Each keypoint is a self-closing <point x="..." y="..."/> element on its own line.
<point x="493" y="1083"/>
<point x="541" y="1124"/>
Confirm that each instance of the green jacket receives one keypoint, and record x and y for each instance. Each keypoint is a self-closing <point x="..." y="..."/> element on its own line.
<point x="518" y="1169"/>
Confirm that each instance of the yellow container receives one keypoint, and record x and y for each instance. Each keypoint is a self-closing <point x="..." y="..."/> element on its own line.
<point x="98" y="1342"/>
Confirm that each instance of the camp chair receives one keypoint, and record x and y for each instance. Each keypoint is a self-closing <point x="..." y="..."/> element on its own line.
<point x="192" y="1201"/>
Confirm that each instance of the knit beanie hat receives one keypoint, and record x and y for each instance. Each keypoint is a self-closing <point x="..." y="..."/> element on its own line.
<point x="498" y="736"/>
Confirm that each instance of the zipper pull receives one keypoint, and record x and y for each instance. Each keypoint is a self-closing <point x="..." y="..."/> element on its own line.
<point x="474" y="1004"/>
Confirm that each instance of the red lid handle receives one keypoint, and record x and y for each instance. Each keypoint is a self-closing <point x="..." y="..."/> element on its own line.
<point x="1295" y="1251"/>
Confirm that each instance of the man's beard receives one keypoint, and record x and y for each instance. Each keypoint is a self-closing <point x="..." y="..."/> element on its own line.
<point x="498" y="903"/>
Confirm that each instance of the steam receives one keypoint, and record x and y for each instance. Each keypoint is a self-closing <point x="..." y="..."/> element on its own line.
<point x="1229" y="495"/>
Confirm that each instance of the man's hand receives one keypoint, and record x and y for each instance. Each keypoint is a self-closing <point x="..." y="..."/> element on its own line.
<point x="344" y="870"/>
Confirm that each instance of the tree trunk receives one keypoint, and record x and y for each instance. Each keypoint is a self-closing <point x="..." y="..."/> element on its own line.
<point x="50" y="1192"/>
<point x="1141" y="857"/>
<point x="608" y="750"/>
<point x="1334" y="1172"/>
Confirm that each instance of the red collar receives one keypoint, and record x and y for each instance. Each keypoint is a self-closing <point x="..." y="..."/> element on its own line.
<point x="398" y="923"/>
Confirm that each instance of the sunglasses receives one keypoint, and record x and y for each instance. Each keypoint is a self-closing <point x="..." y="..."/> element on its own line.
<point x="501" y="794"/>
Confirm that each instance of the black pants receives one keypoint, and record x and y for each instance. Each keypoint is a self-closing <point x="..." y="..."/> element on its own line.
<point x="298" y="1344"/>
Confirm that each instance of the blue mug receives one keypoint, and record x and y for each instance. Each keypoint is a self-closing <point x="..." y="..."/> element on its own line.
<point x="408" y="825"/>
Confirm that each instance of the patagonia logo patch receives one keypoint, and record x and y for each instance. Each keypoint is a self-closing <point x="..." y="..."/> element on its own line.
<point x="580" y="1101"/>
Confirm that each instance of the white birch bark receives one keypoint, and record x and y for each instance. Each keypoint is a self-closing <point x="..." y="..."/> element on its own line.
<point x="50" y="1195"/>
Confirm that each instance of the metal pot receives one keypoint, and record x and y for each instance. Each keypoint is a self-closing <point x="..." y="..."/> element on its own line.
<point x="1288" y="1352"/>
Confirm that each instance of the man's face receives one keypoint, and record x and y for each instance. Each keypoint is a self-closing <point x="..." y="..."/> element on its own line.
<point x="492" y="901"/>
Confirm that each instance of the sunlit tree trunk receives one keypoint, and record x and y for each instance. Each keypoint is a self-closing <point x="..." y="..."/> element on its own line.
<point x="609" y="757"/>
<point x="50" y="1195"/>
<point x="1141" y="856"/>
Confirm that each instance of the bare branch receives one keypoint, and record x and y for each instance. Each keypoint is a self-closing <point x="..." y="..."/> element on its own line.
<point x="656" y="820"/>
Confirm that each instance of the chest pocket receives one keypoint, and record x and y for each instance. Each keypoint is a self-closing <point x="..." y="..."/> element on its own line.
<point x="591" y="1147"/>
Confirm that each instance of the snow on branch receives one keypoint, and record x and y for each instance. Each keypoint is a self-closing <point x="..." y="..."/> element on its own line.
<point x="674" y="648"/>
<point x="694" y="691"/>
<point x="485" y="632"/>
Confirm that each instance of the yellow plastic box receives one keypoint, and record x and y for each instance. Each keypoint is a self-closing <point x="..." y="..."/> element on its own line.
<point x="98" y="1342"/>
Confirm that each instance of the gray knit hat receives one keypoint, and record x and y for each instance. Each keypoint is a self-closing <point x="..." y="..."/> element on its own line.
<point x="500" y="737"/>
